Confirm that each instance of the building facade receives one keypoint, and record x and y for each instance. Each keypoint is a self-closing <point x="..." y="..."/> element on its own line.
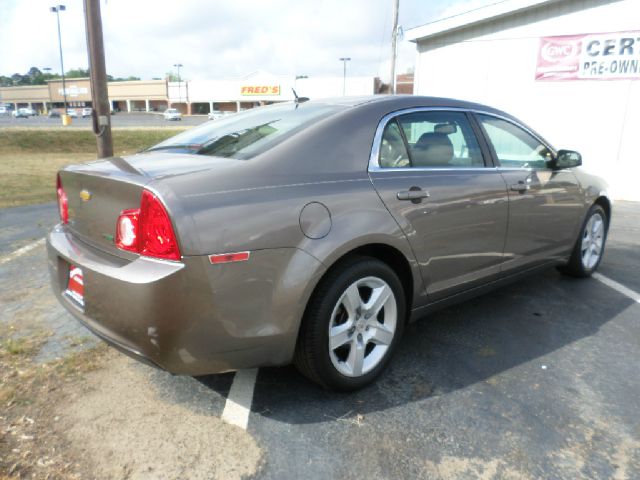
<point x="259" y="88"/>
<point x="191" y="96"/>
<point x="568" y="68"/>
<point x="404" y="83"/>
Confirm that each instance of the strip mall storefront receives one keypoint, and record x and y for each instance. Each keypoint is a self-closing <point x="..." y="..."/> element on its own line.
<point x="191" y="97"/>
<point x="259" y="88"/>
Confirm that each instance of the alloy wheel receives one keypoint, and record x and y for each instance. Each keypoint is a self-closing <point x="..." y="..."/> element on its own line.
<point x="592" y="241"/>
<point x="362" y="326"/>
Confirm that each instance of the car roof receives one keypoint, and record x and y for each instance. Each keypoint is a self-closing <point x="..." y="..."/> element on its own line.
<point x="396" y="102"/>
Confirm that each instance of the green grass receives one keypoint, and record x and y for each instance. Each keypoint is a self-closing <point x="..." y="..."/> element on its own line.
<point x="29" y="159"/>
<point x="18" y="346"/>
<point x="78" y="141"/>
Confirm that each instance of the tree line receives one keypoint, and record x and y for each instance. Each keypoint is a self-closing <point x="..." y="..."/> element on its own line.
<point x="37" y="77"/>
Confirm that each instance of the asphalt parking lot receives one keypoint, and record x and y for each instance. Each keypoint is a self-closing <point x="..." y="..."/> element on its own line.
<point x="536" y="380"/>
<point x="118" y="120"/>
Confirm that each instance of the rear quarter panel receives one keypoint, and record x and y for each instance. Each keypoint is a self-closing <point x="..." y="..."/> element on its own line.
<point x="256" y="204"/>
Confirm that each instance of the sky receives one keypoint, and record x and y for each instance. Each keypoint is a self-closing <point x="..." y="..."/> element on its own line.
<point x="220" y="39"/>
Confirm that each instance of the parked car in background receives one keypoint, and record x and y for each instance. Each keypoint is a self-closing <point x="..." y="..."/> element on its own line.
<point x="215" y="114"/>
<point x="312" y="233"/>
<point x="72" y="112"/>
<point x="86" y="112"/>
<point x="5" y="110"/>
<point x="54" y="113"/>
<point x="172" y="114"/>
<point x="24" y="112"/>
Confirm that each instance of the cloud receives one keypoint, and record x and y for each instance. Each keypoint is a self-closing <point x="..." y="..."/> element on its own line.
<point x="214" y="39"/>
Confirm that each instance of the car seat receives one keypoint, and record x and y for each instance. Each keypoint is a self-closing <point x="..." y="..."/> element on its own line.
<point x="433" y="149"/>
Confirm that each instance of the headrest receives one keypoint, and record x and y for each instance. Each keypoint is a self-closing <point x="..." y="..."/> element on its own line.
<point x="446" y="128"/>
<point x="433" y="149"/>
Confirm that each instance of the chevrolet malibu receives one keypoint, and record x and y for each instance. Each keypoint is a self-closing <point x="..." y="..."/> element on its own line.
<point x="313" y="232"/>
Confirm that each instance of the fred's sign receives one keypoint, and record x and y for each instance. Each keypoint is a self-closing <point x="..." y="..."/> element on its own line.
<point x="260" y="90"/>
<point x="598" y="56"/>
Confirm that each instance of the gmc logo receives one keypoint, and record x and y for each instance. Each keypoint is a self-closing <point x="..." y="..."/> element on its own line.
<point x="558" y="51"/>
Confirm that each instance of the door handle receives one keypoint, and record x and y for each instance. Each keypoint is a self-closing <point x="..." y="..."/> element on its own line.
<point x="414" y="194"/>
<point x="520" y="187"/>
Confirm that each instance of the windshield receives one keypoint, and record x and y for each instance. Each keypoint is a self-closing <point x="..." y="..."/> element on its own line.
<point x="249" y="133"/>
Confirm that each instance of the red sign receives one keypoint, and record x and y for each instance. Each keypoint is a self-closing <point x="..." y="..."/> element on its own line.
<point x="599" y="56"/>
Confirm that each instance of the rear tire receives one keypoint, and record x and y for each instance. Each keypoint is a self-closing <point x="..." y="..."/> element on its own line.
<point x="589" y="248"/>
<point x="352" y="325"/>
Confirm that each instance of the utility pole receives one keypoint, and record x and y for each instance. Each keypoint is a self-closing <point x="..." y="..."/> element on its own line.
<point x="394" y="51"/>
<point x="57" y="9"/>
<point x="344" y="60"/>
<point x="99" y="94"/>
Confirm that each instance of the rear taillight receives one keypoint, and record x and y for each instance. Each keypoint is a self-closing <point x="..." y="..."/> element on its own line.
<point x="147" y="230"/>
<point x="156" y="233"/>
<point x="63" y="203"/>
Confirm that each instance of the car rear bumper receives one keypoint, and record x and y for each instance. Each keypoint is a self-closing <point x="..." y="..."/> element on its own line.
<point x="189" y="317"/>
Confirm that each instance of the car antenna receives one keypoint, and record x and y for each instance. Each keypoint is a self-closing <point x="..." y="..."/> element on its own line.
<point x="298" y="100"/>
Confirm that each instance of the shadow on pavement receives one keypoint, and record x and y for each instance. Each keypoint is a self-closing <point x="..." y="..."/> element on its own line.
<point x="454" y="348"/>
<point x="465" y="344"/>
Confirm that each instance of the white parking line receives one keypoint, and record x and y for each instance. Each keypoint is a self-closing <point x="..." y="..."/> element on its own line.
<point x="21" y="251"/>
<point x="618" y="287"/>
<point x="238" y="405"/>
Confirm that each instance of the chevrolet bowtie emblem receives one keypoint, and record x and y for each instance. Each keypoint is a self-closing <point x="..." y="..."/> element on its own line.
<point x="85" y="195"/>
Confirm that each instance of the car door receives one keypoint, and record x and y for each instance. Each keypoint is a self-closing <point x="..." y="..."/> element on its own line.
<point x="545" y="206"/>
<point x="441" y="187"/>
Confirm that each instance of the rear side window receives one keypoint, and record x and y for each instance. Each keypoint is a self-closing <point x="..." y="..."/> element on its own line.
<point x="393" y="152"/>
<point x="514" y="146"/>
<point x="247" y="134"/>
<point x="431" y="139"/>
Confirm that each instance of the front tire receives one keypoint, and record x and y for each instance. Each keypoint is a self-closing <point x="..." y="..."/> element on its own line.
<point x="589" y="248"/>
<point x="352" y="325"/>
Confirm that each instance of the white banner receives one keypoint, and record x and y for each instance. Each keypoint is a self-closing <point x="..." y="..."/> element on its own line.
<point x="597" y="56"/>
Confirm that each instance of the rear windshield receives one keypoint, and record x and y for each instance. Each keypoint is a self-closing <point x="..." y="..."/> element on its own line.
<point x="247" y="134"/>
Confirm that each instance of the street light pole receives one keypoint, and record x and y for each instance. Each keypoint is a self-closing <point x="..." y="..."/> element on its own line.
<point x="57" y="9"/>
<point x="344" y="61"/>
<point x="178" y="65"/>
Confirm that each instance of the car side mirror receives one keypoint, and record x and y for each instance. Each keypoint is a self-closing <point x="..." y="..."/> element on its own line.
<point x="567" y="159"/>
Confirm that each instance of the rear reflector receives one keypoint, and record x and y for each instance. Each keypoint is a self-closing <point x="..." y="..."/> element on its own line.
<point x="229" y="257"/>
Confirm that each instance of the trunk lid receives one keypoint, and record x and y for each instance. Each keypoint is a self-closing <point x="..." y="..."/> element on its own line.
<point x="95" y="202"/>
<point x="97" y="192"/>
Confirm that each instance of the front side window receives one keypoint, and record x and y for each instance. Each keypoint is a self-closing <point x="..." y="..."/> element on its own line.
<point x="437" y="139"/>
<point x="514" y="146"/>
